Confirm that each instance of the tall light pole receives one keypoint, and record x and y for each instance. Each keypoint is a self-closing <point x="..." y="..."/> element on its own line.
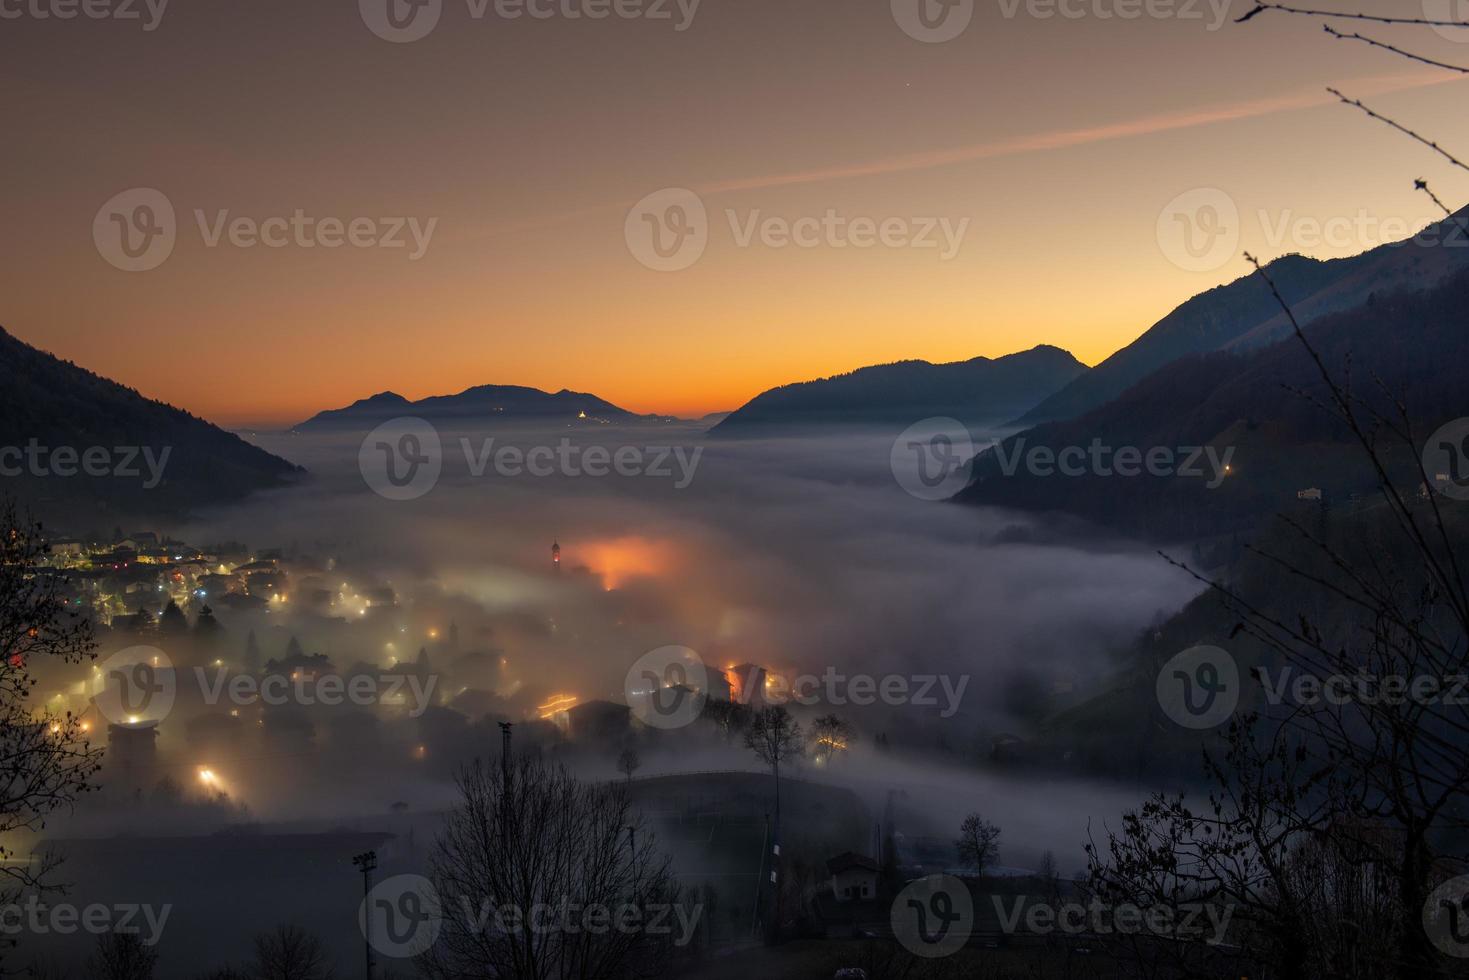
<point x="366" y="863"/>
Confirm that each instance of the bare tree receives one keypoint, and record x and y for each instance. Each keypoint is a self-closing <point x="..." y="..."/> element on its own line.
<point x="628" y="762"/>
<point x="978" y="843"/>
<point x="526" y="866"/>
<point x="728" y="717"/>
<point x="122" y="956"/>
<point x="289" y="952"/>
<point x="1049" y="876"/>
<point x="775" y="737"/>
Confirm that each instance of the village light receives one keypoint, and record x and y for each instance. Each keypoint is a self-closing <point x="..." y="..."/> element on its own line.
<point x="207" y="777"/>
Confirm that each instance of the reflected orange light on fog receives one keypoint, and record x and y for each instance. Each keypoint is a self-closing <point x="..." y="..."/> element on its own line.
<point x="618" y="560"/>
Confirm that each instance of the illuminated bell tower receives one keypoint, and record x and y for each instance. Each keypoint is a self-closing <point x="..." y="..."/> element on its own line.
<point x="555" y="556"/>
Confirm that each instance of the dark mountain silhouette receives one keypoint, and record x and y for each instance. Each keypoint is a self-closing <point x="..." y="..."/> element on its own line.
<point x="1259" y="403"/>
<point x="1242" y="314"/>
<point x="977" y="392"/>
<point x="53" y="405"/>
<point x="475" y="406"/>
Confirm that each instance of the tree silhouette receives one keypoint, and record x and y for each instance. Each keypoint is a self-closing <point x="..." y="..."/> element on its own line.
<point x="252" y="654"/>
<point x="628" y="762"/>
<point x="206" y="626"/>
<point x="978" y="843"/>
<point x="172" y="621"/>
<point x="122" y="956"/>
<point x="528" y="836"/>
<point x="46" y="763"/>
<point x="289" y="952"/>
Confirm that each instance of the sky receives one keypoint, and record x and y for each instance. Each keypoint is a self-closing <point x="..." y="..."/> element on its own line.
<point x="1025" y="173"/>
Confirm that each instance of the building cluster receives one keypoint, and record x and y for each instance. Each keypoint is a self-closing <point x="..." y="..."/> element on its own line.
<point x="140" y="574"/>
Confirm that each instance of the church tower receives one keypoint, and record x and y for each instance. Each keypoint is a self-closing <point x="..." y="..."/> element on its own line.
<point x="555" y="556"/>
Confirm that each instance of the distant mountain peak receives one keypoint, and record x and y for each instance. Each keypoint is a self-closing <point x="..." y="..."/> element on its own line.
<point x="382" y="398"/>
<point x="475" y="405"/>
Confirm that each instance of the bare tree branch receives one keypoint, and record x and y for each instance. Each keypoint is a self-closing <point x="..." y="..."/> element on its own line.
<point x="1403" y="129"/>
<point x="1395" y="50"/>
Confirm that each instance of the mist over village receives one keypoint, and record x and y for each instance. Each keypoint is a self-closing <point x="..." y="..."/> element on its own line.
<point x="581" y="490"/>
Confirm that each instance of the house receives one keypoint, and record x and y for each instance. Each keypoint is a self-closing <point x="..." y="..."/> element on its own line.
<point x="598" y="721"/>
<point x="853" y="877"/>
<point x="717" y="685"/>
<point x="747" y="684"/>
<point x="132" y="753"/>
<point x="1311" y="493"/>
<point x="263" y="565"/>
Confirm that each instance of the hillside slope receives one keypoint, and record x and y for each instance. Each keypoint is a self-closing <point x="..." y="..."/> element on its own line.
<point x="1253" y="410"/>
<point x="159" y="459"/>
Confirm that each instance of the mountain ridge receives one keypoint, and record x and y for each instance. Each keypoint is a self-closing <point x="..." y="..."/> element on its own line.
<point x="477" y="404"/>
<point x="1244" y="314"/>
<point x="977" y="391"/>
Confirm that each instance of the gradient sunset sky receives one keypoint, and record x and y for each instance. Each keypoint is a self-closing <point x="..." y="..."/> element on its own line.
<point x="1059" y="139"/>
